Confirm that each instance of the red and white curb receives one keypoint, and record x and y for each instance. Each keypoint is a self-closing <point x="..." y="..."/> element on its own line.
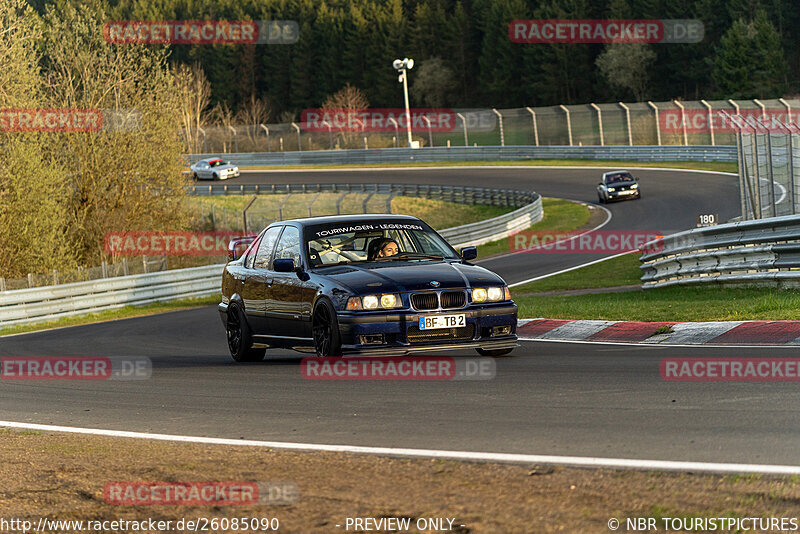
<point x="697" y="333"/>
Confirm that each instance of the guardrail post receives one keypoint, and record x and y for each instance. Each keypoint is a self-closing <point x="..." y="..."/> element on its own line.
<point x="104" y="266"/>
<point x="2" y="283"/>
<point x="430" y="133"/>
<point x="339" y="202"/>
<point x="500" y="119"/>
<point x="299" y="144"/>
<point x="366" y="200"/>
<point x="266" y="130"/>
<point x="281" y="140"/>
<point x="55" y="277"/>
<point x="144" y="263"/>
<point x="683" y="121"/>
<point x="125" y="266"/>
<point x="30" y="280"/>
<point x="599" y="121"/>
<point x="464" y="124"/>
<point x="658" y="126"/>
<point x="628" y="120"/>
<point x="235" y="138"/>
<point x="535" y="128"/>
<point x="710" y="121"/>
<point x="569" y="122"/>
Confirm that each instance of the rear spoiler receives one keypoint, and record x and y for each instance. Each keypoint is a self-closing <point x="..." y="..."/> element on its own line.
<point x="236" y="243"/>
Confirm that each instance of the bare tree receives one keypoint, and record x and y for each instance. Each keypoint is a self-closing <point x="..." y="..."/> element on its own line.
<point x="194" y="94"/>
<point x="347" y="101"/>
<point x="433" y="82"/>
<point x="254" y="112"/>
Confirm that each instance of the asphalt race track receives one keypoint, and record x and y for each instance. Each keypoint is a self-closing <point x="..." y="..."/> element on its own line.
<point x="573" y="399"/>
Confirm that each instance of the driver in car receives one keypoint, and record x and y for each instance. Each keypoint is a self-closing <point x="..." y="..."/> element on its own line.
<point x="383" y="248"/>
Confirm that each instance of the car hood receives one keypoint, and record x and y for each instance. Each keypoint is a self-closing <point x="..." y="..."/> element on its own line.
<point x="622" y="184"/>
<point x="411" y="276"/>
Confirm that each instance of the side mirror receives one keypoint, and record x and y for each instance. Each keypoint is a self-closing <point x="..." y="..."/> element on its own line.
<point x="469" y="253"/>
<point x="283" y="265"/>
<point x="237" y="242"/>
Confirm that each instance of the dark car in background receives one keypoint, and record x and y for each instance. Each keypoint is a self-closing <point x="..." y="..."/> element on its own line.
<point x="618" y="185"/>
<point x="316" y="283"/>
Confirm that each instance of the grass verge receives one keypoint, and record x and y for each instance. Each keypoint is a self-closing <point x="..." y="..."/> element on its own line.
<point x="62" y="476"/>
<point x="695" y="165"/>
<point x="669" y="304"/>
<point x="698" y="303"/>
<point x="112" y="315"/>
<point x="621" y="271"/>
<point x="559" y="215"/>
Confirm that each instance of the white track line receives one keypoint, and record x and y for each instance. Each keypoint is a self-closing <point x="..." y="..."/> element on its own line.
<point x="574" y="461"/>
<point x="662" y="344"/>
<point x="527" y="250"/>
<point x="572" y="268"/>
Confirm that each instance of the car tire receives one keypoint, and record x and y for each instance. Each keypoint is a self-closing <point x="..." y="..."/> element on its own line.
<point x="494" y="353"/>
<point x="240" y="337"/>
<point x="325" y="330"/>
<point x="194" y="176"/>
<point x="600" y="198"/>
<point x="215" y="176"/>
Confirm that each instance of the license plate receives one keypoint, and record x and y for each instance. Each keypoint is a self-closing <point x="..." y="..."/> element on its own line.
<point x="627" y="192"/>
<point x="432" y="322"/>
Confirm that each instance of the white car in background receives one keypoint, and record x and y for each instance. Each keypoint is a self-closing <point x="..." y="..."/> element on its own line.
<point x="214" y="169"/>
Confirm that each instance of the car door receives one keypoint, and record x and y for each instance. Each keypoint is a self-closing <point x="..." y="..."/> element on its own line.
<point x="258" y="281"/>
<point x="289" y="301"/>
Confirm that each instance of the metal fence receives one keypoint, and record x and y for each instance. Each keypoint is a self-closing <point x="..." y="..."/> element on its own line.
<point x="769" y="165"/>
<point x="760" y="252"/>
<point x="641" y="123"/>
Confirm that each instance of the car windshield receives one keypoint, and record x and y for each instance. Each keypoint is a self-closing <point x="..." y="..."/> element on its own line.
<point x="378" y="241"/>
<point x="216" y="162"/>
<point x="620" y="177"/>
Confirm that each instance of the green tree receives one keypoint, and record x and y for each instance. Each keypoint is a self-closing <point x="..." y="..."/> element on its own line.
<point x="626" y="65"/>
<point x="749" y="62"/>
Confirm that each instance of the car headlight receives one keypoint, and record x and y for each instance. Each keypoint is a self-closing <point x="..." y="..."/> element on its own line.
<point x="374" y="302"/>
<point x="494" y="294"/>
<point x="635" y="186"/>
<point x="611" y="189"/>
<point x="479" y="294"/>
<point x="490" y="294"/>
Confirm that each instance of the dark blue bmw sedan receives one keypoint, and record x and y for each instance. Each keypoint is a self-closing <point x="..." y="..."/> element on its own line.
<point x="361" y="284"/>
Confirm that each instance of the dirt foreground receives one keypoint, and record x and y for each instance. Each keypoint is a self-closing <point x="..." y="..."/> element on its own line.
<point x="63" y="477"/>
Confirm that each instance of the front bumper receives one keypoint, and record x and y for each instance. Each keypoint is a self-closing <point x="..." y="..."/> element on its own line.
<point x="621" y="195"/>
<point x="397" y="332"/>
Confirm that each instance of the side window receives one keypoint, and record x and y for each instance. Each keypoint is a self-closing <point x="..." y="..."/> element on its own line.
<point x="265" y="248"/>
<point x="289" y="245"/>
<point x="250" y="253"/>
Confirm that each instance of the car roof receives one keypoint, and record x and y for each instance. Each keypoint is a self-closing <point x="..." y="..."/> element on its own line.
<point x="330" y="219"/>
<point x="615" y="172"/>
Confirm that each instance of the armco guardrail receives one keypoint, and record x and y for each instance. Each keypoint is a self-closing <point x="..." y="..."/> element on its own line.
<point x="764" y="252"/>
<point x="724" y="153"/>
<point x="52" y="302"/>
<point x="449" y="193"/>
